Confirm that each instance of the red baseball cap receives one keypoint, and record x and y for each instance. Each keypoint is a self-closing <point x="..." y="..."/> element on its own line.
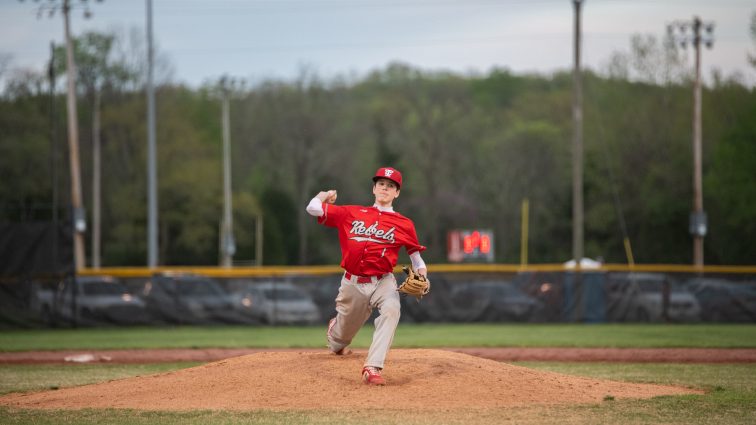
<point x="389" y="173"/>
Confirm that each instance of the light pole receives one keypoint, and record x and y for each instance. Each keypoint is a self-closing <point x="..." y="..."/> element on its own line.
<point x="152" y="199"/>
<point x="577" y="147"/>
<point x="698" y="225"/>
<point x="226" y="88"/>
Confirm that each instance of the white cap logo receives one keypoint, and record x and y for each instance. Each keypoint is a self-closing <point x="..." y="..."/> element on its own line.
<point x="388" y="173"/>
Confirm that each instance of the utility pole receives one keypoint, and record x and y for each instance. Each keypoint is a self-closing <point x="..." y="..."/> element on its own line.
<point x="229" y="247"/>
<point x="80" y="223"/>
<point x="577" y="147"/>
<point x="152" y="200"/>
<point x="79" y="217"/>
<point x="698" y="222"/>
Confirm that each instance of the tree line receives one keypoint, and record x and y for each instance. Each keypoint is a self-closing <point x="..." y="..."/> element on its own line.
<point x="471" y="149"/>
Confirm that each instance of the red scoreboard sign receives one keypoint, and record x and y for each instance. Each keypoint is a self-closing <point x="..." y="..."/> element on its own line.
<point x="470" y="245"/>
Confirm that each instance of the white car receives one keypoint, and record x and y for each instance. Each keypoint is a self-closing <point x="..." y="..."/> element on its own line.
<point x="274" y="302"/>
<point x="640" y="297"/>
<point x="96" y="300"/>
<point x="724" y="300"/>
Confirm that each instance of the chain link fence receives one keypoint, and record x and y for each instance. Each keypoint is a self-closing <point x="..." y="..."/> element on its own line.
<point x="298" y="296"/>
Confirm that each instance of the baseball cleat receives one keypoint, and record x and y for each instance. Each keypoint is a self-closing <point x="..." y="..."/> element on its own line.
<point x="372" y="376"/>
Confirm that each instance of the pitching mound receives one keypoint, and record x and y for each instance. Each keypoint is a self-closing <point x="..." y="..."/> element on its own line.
<point x="416" y="379"/>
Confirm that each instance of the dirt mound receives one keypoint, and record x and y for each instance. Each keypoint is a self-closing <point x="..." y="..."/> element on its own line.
<point x="314" y="380"/>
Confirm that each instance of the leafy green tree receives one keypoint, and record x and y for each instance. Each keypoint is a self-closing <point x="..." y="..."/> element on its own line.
<point x="280" y="231"/>
<point x="730" y="193"/>
<point x="25" y="156"/>
<point x="293" y="141"/>
<point x="96" y="72"/>
<point x="471" y="148"/>
<point x="650" y="60"/>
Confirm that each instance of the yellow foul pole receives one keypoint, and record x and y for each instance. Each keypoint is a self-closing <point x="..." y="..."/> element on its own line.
<point x="524" y="233"/>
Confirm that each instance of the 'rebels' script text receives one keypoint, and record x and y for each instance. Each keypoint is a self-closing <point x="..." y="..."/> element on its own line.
<point x="358" y="228"/>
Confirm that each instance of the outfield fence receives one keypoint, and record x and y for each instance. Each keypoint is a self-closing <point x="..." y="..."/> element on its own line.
<point x="305" y="295"/>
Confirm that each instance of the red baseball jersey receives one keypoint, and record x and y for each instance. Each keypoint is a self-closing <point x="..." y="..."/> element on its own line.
<point x="370" y="239"/>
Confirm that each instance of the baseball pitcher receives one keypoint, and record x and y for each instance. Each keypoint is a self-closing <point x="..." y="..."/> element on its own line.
<point x="370" y="239"/>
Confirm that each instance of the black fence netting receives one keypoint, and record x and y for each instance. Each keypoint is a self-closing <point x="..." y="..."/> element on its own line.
<point x="35" y="249"/>
<point x="192" y="299"/>
<point x="31" y="253"/>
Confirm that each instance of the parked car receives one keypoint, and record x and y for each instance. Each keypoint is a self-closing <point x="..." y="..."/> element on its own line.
<point x="640" y="297"/>
<point x="548" y="289"/>
<point x="323" y="290"/>
<point x="493" y="301"/>
<point x="723" y="300"/>
<point x="89" y="300"/>
<point x="274" y="302"/>
<point x="187" y="298"/>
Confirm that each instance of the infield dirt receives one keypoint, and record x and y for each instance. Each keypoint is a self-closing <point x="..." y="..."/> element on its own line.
<point x="416" y="379"/>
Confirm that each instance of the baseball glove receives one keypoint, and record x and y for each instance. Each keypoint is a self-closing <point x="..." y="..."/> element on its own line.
<point x="415" y="284"/>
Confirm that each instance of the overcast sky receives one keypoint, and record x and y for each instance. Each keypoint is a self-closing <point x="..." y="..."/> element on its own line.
<point x="261" y="39"/>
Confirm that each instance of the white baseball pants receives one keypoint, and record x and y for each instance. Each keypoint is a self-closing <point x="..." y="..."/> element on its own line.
<point x="355" y="303"/>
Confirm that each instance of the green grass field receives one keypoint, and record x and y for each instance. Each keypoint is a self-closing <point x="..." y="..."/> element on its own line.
<point x="730" y="397"/>
<point x="407" y="335"/>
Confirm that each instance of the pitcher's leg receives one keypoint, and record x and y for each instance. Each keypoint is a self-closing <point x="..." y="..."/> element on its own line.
<point x="352" y="310"/>
<point x="386" y="298"/>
